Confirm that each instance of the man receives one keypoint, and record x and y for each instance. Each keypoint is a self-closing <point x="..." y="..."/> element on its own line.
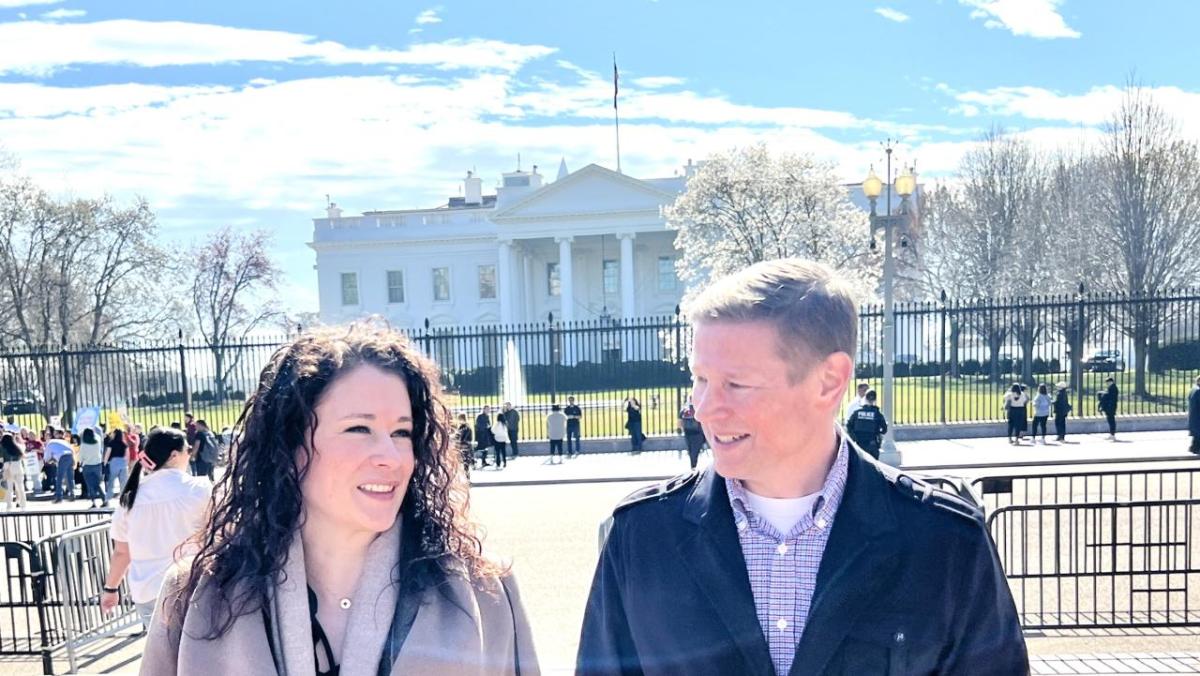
<point x="512" y="420"/>
<point x="189" y="428"/>
<point x="556" y="431"/>
<point x="483" y="434"/>
<point x="574" y="415"/>
<point x="1108" y="406"/>
<point x="867" y="425"/>
<point x="693" y="432"/>
<point x="793" y="553"/>
<point x="204" y="451"/>
<point x="1194" y="417"/>
<point x="60" y="453"/>
<point x="859" y="400"/>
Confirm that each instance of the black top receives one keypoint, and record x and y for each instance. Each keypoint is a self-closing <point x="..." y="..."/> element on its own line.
<point x="116" y="449"/>
<point x="572" y="410"/>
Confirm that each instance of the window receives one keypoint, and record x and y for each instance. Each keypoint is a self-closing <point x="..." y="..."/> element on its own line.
<point x="487" y="282"/>
<point x="666" y="274"/>
<point x="349" y="288"/>
<point x="612" y="277"/>
<point x="553" y="284"/>
<point x="395" y="286"/>
<point x="441" y="284"/>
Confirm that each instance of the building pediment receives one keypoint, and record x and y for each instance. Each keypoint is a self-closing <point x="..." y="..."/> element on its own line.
<point x="590" y="192"/>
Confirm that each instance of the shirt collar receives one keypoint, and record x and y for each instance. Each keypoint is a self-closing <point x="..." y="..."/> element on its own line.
<point x="828" y="498"/>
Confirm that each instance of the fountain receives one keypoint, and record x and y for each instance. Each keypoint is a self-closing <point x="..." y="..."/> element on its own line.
<point x="512" y="380"/>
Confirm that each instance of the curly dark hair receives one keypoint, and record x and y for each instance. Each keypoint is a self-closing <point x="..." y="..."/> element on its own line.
<point x="257" y="509"/>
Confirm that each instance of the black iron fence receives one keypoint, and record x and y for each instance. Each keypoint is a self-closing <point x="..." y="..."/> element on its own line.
<point x="954" y="360"/>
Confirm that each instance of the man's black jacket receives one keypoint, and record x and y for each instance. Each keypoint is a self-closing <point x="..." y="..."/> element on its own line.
<point x="909" y="584"/>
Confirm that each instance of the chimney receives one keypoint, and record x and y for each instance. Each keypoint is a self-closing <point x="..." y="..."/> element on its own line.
<point x="472" y="189"/>
<point x="333" y="211"/>
<point x="690" y="169"/>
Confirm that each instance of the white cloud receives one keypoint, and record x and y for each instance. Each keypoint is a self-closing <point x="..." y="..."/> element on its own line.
<point x="892" y="14"/>
<point x="429" y="16"/>
<point x="1031" y="18"/>
<point x="658" y="81"/>
<point x="40" y="48"/>
<point x="8" y="4"/>
<point x="62" y="13"/>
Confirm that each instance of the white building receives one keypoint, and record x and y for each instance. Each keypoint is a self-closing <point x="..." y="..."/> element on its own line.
<point x="592" y="241"/>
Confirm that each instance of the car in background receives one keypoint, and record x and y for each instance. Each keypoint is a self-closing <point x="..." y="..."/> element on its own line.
<point x="17" y="402"/>
<point x="1105" y="361"/>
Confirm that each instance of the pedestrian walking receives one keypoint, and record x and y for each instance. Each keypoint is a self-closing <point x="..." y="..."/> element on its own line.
<point x="500" y="442"/>
<point x="574" y="420"/>
<point x="91" y="459"/>
<point x="483" y="435"/>
<point x="866" y="426"/>
<point x="1194" y="416"/>
<point x="1062" y="406"/>
<point x="693" y="432"/>
<point x="205" y="451"/>
<point x="12" y="450"/>
<point x="556" y="431"/>
<point x="1015" y="401"/>
<point x="633" y="423"/>
<point x="118" y="468"/>
<point x="1107" y="403"/>
<point x="159" y="509"/>
<point x="1041" y="412"/>
<point x="63" y="456"/>
<point x="512" y="421"/>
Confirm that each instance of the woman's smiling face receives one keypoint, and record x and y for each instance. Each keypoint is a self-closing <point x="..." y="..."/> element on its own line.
<point x="362" y="455"/>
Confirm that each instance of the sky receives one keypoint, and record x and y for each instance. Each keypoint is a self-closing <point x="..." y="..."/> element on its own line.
<point x="251" y="113"/>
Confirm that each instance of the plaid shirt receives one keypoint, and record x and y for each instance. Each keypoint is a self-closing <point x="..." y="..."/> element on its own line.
<point x="783" y="568"/>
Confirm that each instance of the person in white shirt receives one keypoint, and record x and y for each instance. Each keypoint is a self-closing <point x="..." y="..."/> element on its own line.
<point x="160" y="508"/>
<point x="62" y="454"/>
<point x="858" y="401"/>
<point x="500" y="442"/>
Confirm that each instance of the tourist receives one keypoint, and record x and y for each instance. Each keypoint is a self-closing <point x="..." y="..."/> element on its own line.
<point x="793" y="552"/>
<point x="574" y="417"/>
<point x="500" y="441"/>
<point x="118" y="468"/>
<point x="512" y="422"/>
<point x="1107" y="403"/>
<point x="340" y="538"/>
<point x="1062" y="406"/>
<point x="1015" y="412"/>
<point x="693" y="433"/>
<point x="556" y="431"/>
<point x="62" y="456"/>
<point x="205" y="451"/>
<point x="462" y="439"/>
<point x="91" y="459"/>
<point x="1041" y="412"/>
<point x="159" y="509"/>
<point x="633" y="423"/>
<point x="859" y="400"/>
<point x="12" y="451"/>
<point x="483" y="434"/>
<point x="1193" y="407"/>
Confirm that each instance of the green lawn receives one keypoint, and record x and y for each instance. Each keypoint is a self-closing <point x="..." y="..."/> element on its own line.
<point x="918" y="400"/>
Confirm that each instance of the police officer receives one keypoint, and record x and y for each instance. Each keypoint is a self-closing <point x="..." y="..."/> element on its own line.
<point x="867" y="425"/>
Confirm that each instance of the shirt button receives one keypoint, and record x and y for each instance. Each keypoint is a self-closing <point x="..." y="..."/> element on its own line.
<point x="821" y="522"/>
<point x="782" y="548"/>
<point x="782" y="624"/>
<point x="741" y="525"/>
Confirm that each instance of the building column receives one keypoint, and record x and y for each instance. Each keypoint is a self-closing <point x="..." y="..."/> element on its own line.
<point x="504" y="290"/>
<point x="527" y="287"/>
<point x="627" y="295"/>
<point x="566" y="279"/>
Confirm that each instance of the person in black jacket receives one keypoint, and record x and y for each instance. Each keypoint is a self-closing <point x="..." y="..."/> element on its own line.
<point x="1194" y="417"/>
<point x="1108" y="406"/>
<point x="866" y="425"/>
<point x="1062" y="406"/>
<point x="878" y="572"/>
<point x="512" y="420"/>
<point x="483" y="434"/>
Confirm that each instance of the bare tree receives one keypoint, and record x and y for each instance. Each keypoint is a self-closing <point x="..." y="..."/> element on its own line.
<point x="233" y="289"/>
<point x="1148" y="195"/>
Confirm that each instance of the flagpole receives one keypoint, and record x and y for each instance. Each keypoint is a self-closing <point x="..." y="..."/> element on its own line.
<point x="616" y="113"/>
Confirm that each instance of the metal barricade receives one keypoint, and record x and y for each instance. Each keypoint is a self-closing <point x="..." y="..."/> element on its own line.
<point x="1179" y="483"/>
<point x="1110" y="565"/>
<point x="24" y="627"/>
<point x="30" y="526"/>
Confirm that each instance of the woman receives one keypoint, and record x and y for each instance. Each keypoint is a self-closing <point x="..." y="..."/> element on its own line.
<point x="12" y="451"/>
<point x="500" y="441"/>
<point x="339" y="540"/>
<point x="693" y="432"/>
<point x="633" y="423"/>
<point x="160" y="508"/>
<point x="115" y="457"/>
<point x="462" y="437"/>
<point x="1041" y="412"/>
<point x="91" y="460"/>
<point x="1015" y="401"/>
<point x="1062" y="406"/>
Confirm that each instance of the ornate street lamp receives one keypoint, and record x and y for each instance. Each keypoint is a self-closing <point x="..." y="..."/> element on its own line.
<point x="905" y="184"/>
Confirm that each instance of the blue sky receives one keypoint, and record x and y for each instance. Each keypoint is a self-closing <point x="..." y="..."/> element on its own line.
<point x="251" y="112"/>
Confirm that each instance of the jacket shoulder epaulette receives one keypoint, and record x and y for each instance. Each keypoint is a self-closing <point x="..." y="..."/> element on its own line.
<point x="657" y="491"/>
<point x="926" y="493"/>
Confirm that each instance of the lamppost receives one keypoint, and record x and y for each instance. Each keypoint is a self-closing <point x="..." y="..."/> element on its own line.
<point x="872" y="187"/>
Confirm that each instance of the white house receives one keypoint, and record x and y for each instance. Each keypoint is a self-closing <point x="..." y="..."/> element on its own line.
<point x="592" y="242"/>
